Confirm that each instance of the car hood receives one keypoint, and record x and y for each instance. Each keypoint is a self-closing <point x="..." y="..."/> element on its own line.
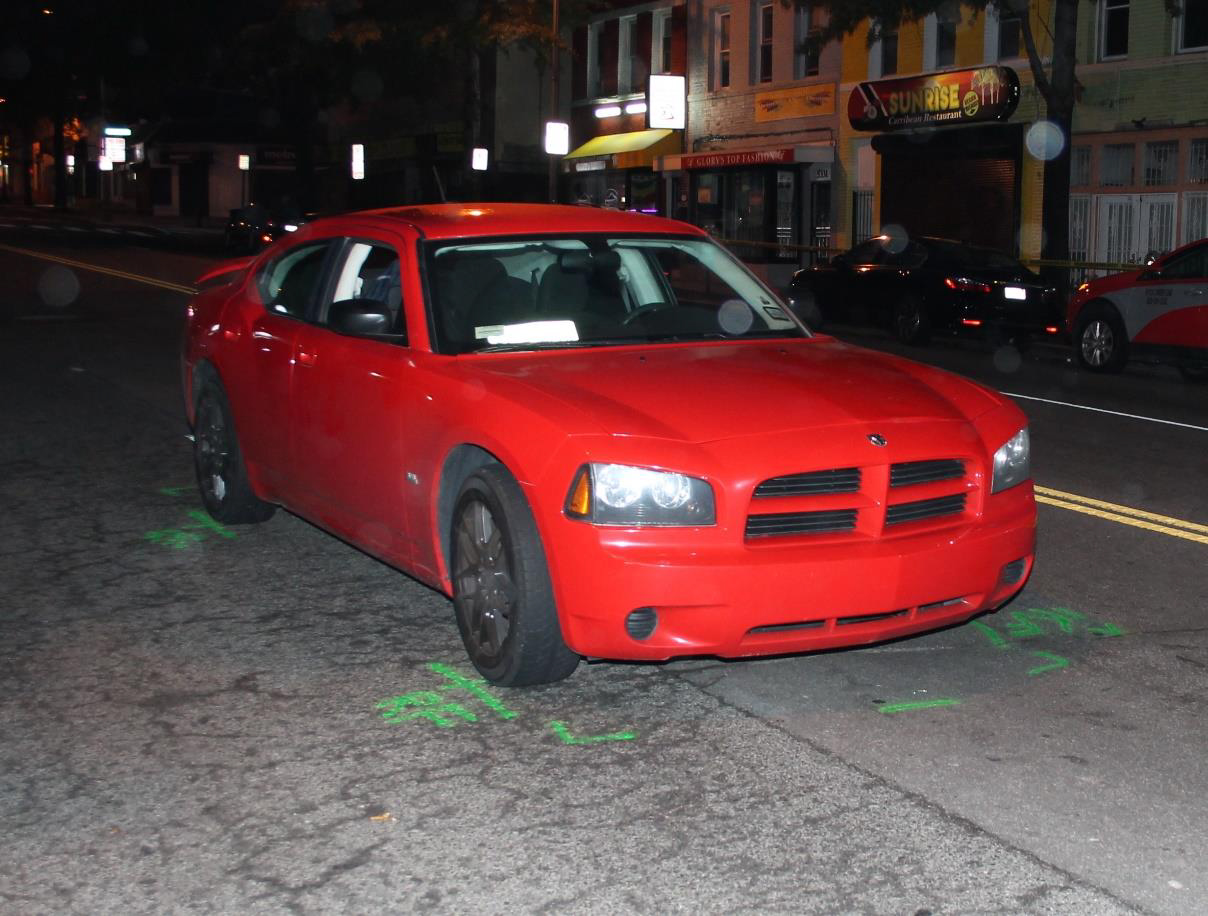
<point x="720" y="391"/>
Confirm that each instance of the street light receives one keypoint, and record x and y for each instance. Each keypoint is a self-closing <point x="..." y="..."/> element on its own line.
<point x="245" y="163"/>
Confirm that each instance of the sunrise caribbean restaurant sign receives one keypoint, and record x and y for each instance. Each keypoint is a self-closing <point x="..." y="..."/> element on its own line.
<point x="935" y="99"/>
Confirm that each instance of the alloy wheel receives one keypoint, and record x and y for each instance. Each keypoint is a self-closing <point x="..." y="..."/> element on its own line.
<point x="1098" y="342"/>
<point x="485" y="593"/>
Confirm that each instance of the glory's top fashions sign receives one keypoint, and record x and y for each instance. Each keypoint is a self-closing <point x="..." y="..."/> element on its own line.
<point x="940" y="99"/>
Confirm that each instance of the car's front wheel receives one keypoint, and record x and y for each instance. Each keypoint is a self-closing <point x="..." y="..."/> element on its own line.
<point x="502" y="595"/>
<point x="218" y="462"/>
<point x="1100" y="341"/>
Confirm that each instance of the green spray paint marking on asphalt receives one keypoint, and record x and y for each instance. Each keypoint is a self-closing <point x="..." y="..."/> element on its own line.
<point x="435" y="706"/>
<point x="991" y="634"/>
<point x="1055" y="662"/>
<point x="477" y="688"/>
<point x="920" y="704"/>
<point x="563" y="732"/>
<point x="176" y="491"/>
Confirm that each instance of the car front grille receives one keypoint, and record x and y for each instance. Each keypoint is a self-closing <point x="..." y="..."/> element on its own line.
<point x="871" y="501"/>
<point x="908" y="473"/>
<point x="925" y="508"/>
<point x="839" y="480"/>
<point x="818" y="522"/>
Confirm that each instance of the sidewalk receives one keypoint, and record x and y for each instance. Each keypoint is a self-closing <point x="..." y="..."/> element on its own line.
<point x="87" y="220"/>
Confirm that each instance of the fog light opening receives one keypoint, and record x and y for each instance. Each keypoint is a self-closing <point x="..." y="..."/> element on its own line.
<point x="640" y="623"/>
<point x="1013" y="571"/>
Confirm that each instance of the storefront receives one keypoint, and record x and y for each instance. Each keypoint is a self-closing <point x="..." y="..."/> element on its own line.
<point x="615" y="170"/>
<point x="769" y="206"/>
<point x="949" y="166"/>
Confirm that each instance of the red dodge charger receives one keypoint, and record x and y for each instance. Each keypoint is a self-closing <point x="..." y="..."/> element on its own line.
<point x="601" y="436"/>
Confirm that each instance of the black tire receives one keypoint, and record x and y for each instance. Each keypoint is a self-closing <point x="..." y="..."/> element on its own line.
<point x="502" y="596"/>
<point x="1100" y="341"/>
<point x="218" y="462"/>
<point x="911" y="323"/>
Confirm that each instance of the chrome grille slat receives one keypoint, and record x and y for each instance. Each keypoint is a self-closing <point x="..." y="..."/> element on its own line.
<point x="786" y="523"/>
<point x="906" y="473"/>
<point x="811" y="483"/>
<point x="925" y="508"/>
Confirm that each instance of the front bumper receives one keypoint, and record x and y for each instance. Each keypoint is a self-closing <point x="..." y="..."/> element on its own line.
<point x="760" y="600"/>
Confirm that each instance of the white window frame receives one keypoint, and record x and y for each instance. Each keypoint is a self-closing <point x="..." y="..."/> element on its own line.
<point x="660" y="30"/>
<point x="1179" y="46"/>
<point x="593" y="59"/>
<point x="1102" y="26"/>
<point x="715" y="59"/>
<point x="803" y="18"/>
<point x="760" y="40"/>
<point x="627" y="27"/>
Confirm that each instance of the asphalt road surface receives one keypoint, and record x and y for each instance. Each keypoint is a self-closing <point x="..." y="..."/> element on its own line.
<point x="196" y="718"/>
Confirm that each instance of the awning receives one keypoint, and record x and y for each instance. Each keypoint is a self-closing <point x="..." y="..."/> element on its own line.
<point x="634" y="149"/>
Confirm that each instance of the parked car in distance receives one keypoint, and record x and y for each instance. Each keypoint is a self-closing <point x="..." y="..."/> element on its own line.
<point x="916" y="285"/>
<point x="600" y="435"/>
<point x="251" y="228"/>
<point x="1156" y="313"/>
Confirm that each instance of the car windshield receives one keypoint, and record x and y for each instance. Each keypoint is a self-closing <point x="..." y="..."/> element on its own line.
<point x="595" y="290"/>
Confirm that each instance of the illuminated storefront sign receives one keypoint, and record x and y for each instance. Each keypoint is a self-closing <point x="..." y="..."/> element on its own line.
<point x="936" y="99"/>
<point x="798" y="102"/>
<point x="751" y="157"/>
<point x="667" y="105"/>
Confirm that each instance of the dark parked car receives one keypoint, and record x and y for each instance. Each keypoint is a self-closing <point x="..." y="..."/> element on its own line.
<point x="922" y="284"/>
<point x="252" y="227"/>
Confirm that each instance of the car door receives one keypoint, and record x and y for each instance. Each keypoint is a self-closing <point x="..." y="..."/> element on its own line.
<point x="278" y="299"/>
<point x="350" y="402"/>
<point x="1172" y="309"/>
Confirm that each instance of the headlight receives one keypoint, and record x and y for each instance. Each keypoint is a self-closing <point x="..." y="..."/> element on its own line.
<point x="1012" y="462"/>
<point x="617" y="494"/>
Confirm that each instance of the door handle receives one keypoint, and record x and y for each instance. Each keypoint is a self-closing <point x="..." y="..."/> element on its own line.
<point x="306" y="359"/>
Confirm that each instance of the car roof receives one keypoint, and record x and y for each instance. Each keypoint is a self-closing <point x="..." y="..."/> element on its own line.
<point x="450" y="221"/>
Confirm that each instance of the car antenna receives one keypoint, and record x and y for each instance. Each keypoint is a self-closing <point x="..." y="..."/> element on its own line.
<point x="440" y="187"/>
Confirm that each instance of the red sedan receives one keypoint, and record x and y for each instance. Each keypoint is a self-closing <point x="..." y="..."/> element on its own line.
<point x="601" y="436"/>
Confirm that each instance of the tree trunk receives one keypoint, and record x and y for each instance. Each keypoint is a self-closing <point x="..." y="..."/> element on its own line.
<point x="1055" y="245"/>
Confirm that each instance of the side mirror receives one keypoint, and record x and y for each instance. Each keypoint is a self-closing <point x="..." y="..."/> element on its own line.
<point x="360" y="316"/>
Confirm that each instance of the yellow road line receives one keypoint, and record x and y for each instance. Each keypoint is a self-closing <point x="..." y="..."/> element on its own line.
<point x="1124" y="510"/>
<point x="113" y="272"/>
<point x="1125" y="519"/>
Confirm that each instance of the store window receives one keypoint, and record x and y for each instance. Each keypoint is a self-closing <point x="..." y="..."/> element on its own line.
<point x="754" y="206"/>
<point x="1080" y="166"/>
<point x="1113" y="28"/>
<point x="721" y="49"/>
<point x="1116" y="165"/>
<point x="1161" y="162"/>
<point x="763" y="72"/>
<point x="1192" y="25"/>
<point x="1197" y="162"/>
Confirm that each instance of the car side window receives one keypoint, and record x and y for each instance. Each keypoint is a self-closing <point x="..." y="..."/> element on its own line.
<point x="372" y="271"/>
<point x="1191" y="265"/>
<point x="869" y="252"/>
<point x="288" y="283"/>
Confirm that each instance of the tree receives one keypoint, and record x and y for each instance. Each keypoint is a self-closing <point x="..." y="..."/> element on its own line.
<point x="1057" y="85"/>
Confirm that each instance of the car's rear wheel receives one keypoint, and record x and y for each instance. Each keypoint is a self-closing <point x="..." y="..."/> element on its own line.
<point x="911" y="324"/>
<point x="1100" y="341"/>
<point x="218" y="462"/>
<point x="502" y="595"/>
